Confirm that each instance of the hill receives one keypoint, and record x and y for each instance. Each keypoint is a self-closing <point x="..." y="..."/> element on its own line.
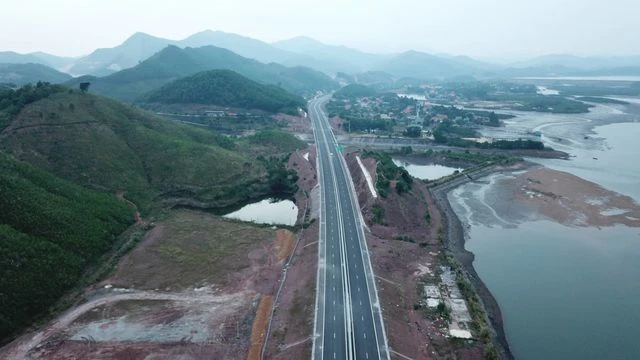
<point x="50" y="230"/>
<point x="56" y="62"/>
<point x="64" y="155"/>
<point x="416" y="64"/>
<point x="21" y="74"/>
<point x="374" y="78"/>
<point x="173" y="63"/>
<point x="354" y="90"/>
<point x="226" y="88"/>
<point x="335" y="58"/>
<point x="104" y="145"/>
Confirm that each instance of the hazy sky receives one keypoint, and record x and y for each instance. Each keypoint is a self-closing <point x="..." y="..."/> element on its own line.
<point x="481" y="28"/>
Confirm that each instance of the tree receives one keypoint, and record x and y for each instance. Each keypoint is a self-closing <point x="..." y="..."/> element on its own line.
<point x="84" y="86"/>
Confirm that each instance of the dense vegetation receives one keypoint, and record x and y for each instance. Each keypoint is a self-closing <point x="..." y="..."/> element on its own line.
<point x="270" y="141"/>
<point x="173" y="63"/>
<point x="520" y="96"/>
<point x="226" y="88"/>
<point x="448" y="133"/>
<point x="387" y="171"/>
<point x="602" y="100"/>
<point x="103" y="145"/>
<point x="12" y="101"/>
<point x="50" y="229"/>
<point x="556" y="104"/>
<point x="599" y="88"/>
<point x="354" y="91"/>
<point x="480" y="117"/>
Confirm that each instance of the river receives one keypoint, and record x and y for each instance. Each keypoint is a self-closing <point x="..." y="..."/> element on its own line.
<point x="565" y="292"/>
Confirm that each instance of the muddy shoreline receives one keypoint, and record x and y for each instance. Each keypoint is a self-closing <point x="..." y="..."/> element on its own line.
<point x="455" y="241"/>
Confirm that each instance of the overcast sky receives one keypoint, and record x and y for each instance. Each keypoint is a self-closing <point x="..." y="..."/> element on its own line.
<point x="479" y="28"/>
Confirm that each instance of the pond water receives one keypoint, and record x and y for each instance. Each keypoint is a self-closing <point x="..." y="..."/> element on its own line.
<point x="268" y="211"/>
<point x="426" y="172"/>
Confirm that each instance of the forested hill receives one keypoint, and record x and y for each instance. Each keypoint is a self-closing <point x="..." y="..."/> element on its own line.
<point x="63" y="157"/>
<point x="50" y="229"/>
<point x="355" y="90"/>
<point x="226" y="88"/>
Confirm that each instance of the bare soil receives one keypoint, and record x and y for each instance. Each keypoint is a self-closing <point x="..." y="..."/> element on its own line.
<point x="296" y="124"/>
<point x="190" y="290"/>
<point x="570" y="200"/>
<point x="259" y="328"/>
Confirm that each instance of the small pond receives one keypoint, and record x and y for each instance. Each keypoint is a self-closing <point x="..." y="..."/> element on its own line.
<point x="426" y="172"/>
<point x="268" y="211"/>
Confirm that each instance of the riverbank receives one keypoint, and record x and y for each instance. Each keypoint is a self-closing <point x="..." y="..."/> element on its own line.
<point x="455" y="240"/>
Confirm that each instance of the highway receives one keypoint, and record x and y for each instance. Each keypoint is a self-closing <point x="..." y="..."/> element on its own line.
<point x="348" y="321"/>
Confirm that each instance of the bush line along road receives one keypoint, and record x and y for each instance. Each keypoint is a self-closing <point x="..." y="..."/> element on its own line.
<point x="348" y="320"/>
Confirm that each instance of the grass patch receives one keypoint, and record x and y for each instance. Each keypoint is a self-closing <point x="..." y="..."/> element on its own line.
<point x="194" y="249"/>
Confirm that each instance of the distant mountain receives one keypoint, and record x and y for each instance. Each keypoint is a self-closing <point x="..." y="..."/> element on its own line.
<point x="374" y="78"/>
<point x="294" y="52"/>
<point x="141" y="46"/>
<point x="21" y="74"/>
<point x="226" y="88"/>
<point x="341" y="58"/>
<point x="173" y="63"/>
<point x="106" y="61"/>
<point x="243" y="46"/>
<point x="56" y="62"/>
<point x="420" y="65"/>
<point x="579" y="62"/>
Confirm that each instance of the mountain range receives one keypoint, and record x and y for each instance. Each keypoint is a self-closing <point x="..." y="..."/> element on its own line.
<point x="330" y="59"/>
<point x="172" y="63"/>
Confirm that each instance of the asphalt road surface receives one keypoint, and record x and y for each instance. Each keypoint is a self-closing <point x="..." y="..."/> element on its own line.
<point x="348" y="321"/>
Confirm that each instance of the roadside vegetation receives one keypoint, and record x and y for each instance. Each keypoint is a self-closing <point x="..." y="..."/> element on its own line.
<point x="387" y="171"/>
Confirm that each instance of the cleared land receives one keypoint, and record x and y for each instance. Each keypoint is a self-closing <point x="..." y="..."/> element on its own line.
<point x="190" y="290"/>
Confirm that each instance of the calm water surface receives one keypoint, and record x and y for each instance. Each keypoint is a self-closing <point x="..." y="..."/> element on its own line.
<point x="426" y="172"/>
<point x="565" y="292"/>
<point x="267" y="211"/>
